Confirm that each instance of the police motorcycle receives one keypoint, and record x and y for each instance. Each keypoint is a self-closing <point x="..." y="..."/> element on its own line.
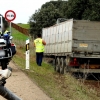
<point x="7" y="51"/>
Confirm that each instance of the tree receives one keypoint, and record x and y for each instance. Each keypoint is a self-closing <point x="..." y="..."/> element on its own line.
<point x="84" y="9"/>
<point x="51" y="11"/>
<point x="76" y="8"/>
<point x="93" y="10"/>
<point x="47" y="16"/>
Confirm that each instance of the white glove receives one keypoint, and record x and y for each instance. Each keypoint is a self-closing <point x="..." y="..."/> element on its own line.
<point x="6" y="73"/>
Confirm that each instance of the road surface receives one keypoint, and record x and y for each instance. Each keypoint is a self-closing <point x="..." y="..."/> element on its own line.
<point x="23" y="87"/>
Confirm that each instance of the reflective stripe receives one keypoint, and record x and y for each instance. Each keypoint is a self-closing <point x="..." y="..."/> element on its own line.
<point x="39" y="45"/>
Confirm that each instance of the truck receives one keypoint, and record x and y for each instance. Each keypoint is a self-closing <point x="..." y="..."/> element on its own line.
<point x="74" y="46"/>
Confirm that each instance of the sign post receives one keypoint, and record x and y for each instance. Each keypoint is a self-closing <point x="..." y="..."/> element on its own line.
<point x="10" y="15"/>
<point x="10" y="28"/>
<point x="27" y="54"/>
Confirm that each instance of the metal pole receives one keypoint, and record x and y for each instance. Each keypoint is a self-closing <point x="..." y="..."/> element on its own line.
<point x="10" y="28"/>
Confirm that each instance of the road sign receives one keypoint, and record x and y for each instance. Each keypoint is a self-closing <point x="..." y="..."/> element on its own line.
<point x="27" y="54"/>
<point x="10" y="15"/>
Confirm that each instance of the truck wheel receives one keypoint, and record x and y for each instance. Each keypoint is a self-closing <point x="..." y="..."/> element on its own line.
<point x="62" y="65"/>
<point x="65" y="67"/>
<point x="54" y="64"/>
<point x="58" y="64"/>
<point x="67" y="61"/>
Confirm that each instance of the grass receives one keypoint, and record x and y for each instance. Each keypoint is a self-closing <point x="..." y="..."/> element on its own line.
<point x="24" y="26"/>
<point x="18" y="36"/>
<point x="58" y="87"/>
<point x="43" y="76"/>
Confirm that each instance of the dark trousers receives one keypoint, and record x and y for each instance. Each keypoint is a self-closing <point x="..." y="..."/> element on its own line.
<point x="39" y="57"/>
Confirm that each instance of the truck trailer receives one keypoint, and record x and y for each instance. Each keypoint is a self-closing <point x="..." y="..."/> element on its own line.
<point x="74" y="46"/>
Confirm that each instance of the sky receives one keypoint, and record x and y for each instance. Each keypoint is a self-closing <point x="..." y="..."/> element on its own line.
<point x="23" y="8"/>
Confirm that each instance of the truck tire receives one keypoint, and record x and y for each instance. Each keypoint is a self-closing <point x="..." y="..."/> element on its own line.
<point x="54" y="64"/>
<point x="67" y="61"/>
<point x="62" y="66"/>
<point x="57" y="64"/>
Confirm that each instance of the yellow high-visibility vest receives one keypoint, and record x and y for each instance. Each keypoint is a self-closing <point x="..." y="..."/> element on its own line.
<point x="6" y="32"/>
<point x="39" y="45"/>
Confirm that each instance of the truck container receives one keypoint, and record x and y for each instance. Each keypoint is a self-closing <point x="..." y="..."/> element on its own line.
<point x="74" y="45"/>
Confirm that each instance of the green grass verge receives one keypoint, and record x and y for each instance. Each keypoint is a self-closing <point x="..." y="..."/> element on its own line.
<point x="18" y="36"/>
<point x="24" y="26"/>
<point x="43" y="76"/>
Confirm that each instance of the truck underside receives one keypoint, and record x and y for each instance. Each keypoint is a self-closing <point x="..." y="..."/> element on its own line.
<point x="63" y="64"/>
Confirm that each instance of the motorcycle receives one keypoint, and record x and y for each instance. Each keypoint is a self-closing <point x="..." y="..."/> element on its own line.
<point x="7" y="50"/>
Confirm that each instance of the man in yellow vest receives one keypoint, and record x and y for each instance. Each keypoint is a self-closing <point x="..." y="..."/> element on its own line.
<point x="39" y="45"/>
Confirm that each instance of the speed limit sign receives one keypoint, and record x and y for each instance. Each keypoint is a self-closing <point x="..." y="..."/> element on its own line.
<point x="10" y="15"/>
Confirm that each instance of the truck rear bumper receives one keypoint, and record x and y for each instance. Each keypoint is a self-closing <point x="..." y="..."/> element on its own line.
<point x="83" y="55"/>
<point x="85" y="70"/>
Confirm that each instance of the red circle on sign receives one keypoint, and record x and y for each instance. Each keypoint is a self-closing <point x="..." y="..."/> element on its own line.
<point x="10" y="19"/>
